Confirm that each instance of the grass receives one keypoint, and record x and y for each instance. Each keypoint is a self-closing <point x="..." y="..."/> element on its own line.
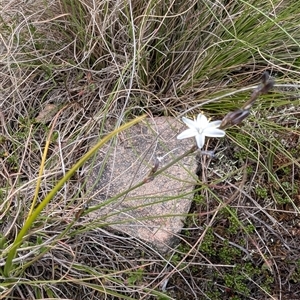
<point x="74" y="71"/>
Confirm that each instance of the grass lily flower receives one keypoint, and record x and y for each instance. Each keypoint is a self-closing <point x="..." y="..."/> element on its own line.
<point x="200" y="128"/>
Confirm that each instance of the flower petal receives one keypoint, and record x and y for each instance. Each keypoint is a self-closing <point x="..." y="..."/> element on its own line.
<point x="190" y="123"/>
<point x="214" y="132"/>
<point x="215" y="124"/>
<point x="187" y="134"/>
<point x="202" y="121"/>
<point x="200" y="139"/>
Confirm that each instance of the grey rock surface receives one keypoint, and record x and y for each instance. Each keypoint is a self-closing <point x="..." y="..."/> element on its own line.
<point x="155" y="211"/>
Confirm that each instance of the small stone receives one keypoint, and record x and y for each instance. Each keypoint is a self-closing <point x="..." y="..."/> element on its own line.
<point x="155" y="211"/>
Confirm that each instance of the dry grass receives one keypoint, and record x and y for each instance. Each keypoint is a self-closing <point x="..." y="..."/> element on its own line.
<point x="75" y="66"/>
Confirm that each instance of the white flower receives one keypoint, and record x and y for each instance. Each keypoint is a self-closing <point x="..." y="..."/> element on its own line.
<point x="201" y="128"/>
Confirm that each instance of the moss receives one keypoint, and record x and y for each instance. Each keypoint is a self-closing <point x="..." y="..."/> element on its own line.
<point x="261" y="192"/>
<point x="135" y="276"/>
<point x="228" y="253"/>
<point x="250" y="228"/>
<point x="281" y="199"/>
<point x="207" y="245"/>
<point x="199" y="199"/>
<point x="237" y="281"/>
<point x="234" y="223"/>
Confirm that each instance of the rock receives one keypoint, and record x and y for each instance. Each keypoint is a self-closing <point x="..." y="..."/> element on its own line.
<point x="155" y="211"/>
